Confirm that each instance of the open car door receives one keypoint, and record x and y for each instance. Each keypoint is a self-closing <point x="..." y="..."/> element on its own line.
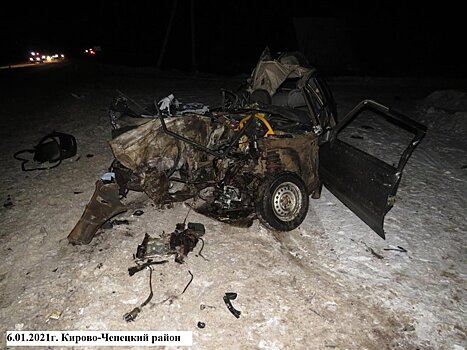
<point x="364" y="183"/>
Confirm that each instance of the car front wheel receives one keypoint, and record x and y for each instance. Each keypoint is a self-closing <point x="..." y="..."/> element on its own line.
<point x="282" y="202"/>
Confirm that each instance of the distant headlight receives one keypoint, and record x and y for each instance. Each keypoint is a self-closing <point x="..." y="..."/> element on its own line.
<point x="31" y="59"/>
<point x="33" y="53"/>
<point x="38" y="58"/>
<point x="62" y="56"/>
<point x="43" y="57"/>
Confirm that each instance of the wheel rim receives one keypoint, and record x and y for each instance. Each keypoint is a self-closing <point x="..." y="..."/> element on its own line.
<point x="287" y="201"/>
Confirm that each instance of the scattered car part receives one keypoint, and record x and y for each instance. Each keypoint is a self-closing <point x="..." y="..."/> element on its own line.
<point x="131" y="316"/>
<point x="165" y="103"/>
<point x="108" y="177"/>
<point x="134" y="269"/>
<point x="227" y="300"/>
<point x="201" y="249"/>
<point x="192" y="107"/>
<point x="110" y="224"/>
<point x="180" y="242"/>
<point x="189" y="282"/>
<point x="52" y="148"/>
<point x="172" y="297"/>
<point x="142" y="251"/>
<point x="153" y="247"/>
<point x="104" y="204"/>
<point x="184" y="240"/>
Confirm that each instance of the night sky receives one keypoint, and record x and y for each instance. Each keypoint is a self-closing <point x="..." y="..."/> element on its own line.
<point x="368" y="38"/>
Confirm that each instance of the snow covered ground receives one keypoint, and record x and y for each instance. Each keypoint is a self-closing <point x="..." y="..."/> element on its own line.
<point x="330" y="284"/>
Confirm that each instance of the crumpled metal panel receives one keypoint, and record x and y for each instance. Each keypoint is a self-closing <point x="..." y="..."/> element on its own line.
<point x="298" y="154"/>
<point x="148" y="145"/>
<point x="104" y="204"/>
<point x="269" y="75"/>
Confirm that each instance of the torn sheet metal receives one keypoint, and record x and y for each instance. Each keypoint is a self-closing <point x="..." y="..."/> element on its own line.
<point x="104" y="204"/>
<point x="148" y="145"/>
<point x="269" y="73"/>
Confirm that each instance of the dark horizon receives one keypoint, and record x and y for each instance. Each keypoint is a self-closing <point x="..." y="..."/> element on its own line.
<point x="384" y="39"/>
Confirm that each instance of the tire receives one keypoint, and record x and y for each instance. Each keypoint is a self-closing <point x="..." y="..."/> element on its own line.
<point x="282" y="202"/>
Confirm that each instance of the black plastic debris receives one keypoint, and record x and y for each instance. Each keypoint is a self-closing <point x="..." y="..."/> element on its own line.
<point x="52" y="149"/>
<point x="201" y="324"/>
<point x="189" y="282"/>
<point x="131" y="316"/>
<point x="184" y="240"/>
<point x="134" y="269"/>
<point x="227" y="300"/>
<point x="398" y="249"/>
<point x="110" y="224"/>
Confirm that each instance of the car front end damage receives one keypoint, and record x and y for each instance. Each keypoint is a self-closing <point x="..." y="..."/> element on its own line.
<point x="269" y="147"/>
<point x="221" y="158"/>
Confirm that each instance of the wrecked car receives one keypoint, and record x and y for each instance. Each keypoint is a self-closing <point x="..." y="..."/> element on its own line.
<point x="270" y="145"/>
